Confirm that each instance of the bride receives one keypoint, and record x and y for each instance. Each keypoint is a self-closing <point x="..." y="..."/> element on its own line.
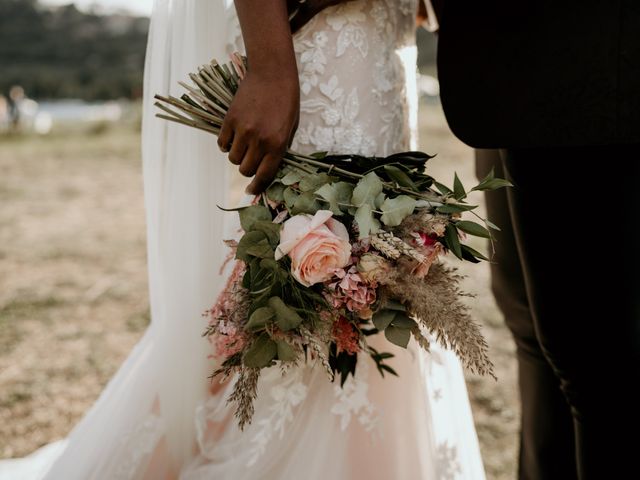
<point x="159" y="418"/>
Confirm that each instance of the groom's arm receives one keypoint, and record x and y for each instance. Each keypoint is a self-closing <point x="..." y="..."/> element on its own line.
<point x="263" y="116"/>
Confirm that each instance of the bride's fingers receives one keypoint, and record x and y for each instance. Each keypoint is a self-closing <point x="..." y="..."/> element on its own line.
<point x="238" y="150"/>
<point x="225" y="138"/>
<point x="251" y="160"/>
<point x="265" y="174"/>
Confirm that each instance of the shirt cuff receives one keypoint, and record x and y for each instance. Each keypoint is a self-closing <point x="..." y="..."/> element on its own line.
<point x="431" y="23"/>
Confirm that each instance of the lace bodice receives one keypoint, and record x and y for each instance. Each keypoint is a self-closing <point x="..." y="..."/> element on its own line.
<point x="367" y="110"/>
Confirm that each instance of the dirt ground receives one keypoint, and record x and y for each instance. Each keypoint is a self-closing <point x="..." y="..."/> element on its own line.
<point x="73" y="286"/>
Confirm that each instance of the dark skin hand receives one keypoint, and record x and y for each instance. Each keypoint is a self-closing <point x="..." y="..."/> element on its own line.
<point x="263" y="117"/>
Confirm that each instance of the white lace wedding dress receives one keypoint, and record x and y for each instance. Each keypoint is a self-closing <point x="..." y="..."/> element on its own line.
<point x="157" y="419"/>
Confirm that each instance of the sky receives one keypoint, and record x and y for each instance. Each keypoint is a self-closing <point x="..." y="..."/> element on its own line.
<point x="142" y="7"/>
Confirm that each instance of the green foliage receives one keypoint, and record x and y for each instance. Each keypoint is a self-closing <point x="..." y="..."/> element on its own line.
<point x="490" y="182"/>
<point x="366" y="221"/>
<point x="395" y="323"/>
<point x="395" y="210"/>
<point x="261" y="352"/>
<point x="367" y="189"/>
<point x="250" y="215"/>
<point x="452" y="240"/>
<point x="473" y="228"/>
<point x="286" y="317"/>
<point x="343" y="363"/>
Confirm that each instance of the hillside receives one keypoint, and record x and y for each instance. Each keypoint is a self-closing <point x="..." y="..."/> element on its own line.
<point x="66" y="53"/>
<point x="63" y="52"/>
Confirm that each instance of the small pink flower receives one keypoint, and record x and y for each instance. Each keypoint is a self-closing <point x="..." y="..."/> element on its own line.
<point x="352" y="292"/>
<point x="318" y="245"/>
<point x="228" y="341"/>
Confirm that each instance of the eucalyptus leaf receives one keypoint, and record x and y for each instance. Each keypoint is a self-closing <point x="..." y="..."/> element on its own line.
<point x="260" y="318"/>
<point x="250" y="215"/>
<point x="473" y="228"/>
<point x="262" y="249"/>
<point x="329" y="193"/>
<point x="247" y="241"/>
<point x="366" y="221"/>
<point x="395" y="305"/>
<point x="395" y="210"/>
<point x="261" y="352"/>
<point x="380" y="200"/>
<point x="398" y="336"/>
<point x="286" y="353"/>
<point x="306" y="203"/>
<point x="290" y="196"/>
<point x="367" y="189"/>
<point x="383" y="318"/>
<point x="275" y="192"/>
<point x="401" y="320"/>
<point x="270" y="229"/>
<point x="286" y="317"/>
<point x="294" y="176"/>
<point x="311" y="183"/>
<point x="344" y="192"/>
<point x="453" y="240"/>
<point x="269" y="264"/>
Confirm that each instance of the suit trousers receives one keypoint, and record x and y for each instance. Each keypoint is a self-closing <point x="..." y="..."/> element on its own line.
<point x="566" y="275"/>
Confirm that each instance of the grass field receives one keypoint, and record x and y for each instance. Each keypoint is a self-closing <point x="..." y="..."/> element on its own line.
<point x="73" y="286"/>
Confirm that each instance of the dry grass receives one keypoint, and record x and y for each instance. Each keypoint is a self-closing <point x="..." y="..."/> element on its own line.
<point x="73" y="289"/>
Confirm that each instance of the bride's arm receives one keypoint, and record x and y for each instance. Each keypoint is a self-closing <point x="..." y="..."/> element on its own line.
<point x="263" y="116"/>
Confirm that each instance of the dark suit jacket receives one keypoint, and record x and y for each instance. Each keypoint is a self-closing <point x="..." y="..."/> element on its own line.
<point x="529" y="73"/>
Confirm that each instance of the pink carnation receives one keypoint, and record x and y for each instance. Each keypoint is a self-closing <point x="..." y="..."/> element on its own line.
<point x="352" y="292"/>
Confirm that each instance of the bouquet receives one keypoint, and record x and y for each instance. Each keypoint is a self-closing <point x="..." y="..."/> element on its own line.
<point x="338" y="248"/>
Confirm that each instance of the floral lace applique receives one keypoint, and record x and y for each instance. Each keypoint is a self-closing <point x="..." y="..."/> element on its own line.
<point x="352" y="400"/>
<point x="447" y="465"/>
<point x="285" y="395"/>
<point x="334" y="109"/>
<point x="137" y="446"/>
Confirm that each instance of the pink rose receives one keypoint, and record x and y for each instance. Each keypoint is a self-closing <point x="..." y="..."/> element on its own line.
<point x="318" y="245"/>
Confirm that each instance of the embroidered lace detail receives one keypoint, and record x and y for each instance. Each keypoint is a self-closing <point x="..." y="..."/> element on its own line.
<point x="285" y="395"/>
<point x="137" y="446"/>
<point x="352" y="400"/>
<point x="341" y="113"/>
<point x="447" y="466"/>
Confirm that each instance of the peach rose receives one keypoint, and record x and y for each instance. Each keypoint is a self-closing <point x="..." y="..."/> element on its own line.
<point x="318" y="245"/>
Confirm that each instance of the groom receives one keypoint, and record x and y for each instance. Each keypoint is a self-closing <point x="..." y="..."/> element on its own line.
<point x="553" y="87"/>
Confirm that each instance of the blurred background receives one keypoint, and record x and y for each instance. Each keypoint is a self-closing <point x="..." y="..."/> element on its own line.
<point x="73" y="280"/>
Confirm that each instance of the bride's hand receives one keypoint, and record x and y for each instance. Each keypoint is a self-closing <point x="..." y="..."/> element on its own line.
<point x="263" y="116"/>
<point x="260" y="125"/>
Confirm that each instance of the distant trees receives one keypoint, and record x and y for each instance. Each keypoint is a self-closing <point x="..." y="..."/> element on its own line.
<point x="66" y="53"/>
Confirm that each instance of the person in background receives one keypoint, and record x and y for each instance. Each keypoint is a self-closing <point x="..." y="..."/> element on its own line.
<point x="4" y="114"/>
<point x="16" y="97"/>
